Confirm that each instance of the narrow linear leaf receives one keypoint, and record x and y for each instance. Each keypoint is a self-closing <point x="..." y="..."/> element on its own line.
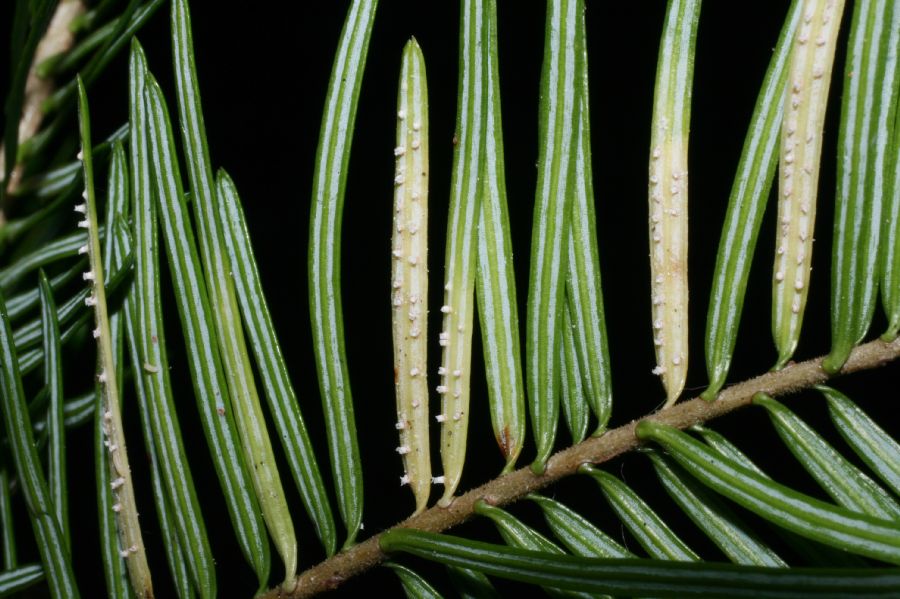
<point x="115" y="217"/>
<point x="557" y="128"/>
<point x="713" y="517"/>
<point x="52" y="182"/>
<point x="642" y="576"/>
<point x="845" y="483"/>
<point x="273" y="371"/>
<point x="829" y="524"/>
<point x="73" y="316"/>
<point x="150" y="354"/>
<point x="37" y="407"/>
<point x="873" y="446"/>
<point x="98" y="63"/>
<point x="167" y="526"/>
<point x="114" y="252"/>
<point x="248" y="413"/>
<point x="73" y="310"/>
<point x="668" y="191"/>
<point x="726" y="448"/>
<point x="125" y="507"/>
<point x="88" y="72"/>
<point x="414" y="586"/>
<point x="102" y="44"/>
<point x="809" y="78"/>
<point x="149" y="357"/>
<point x="460" y="259"/>
<point x="20" y="228"/>
<point x="67" y="61"/>
<point x="329" y="184"/>
<point x="207" y="377"/>
<point x="64" y="247"/>
<point x="29" y="23"/>
<point x="114" y="555"/>
<point x="53" y="382"/>
<point x="514" y="532"/>
<point x="115" y="572"/>
<point x="813" y="552"/>
<point x="8" y="532"/>
<point x="24" y="302"/>
<point x="890" y="231"/>
<point x="55" y="194"/>
<point x="76" y="307"/>
<point x="517" y="534"/>
<point x="471" y="584"/>
<point x="572" y="378"/>
<point x="409" y="264"/>
<point x="583" y="289"/>
<point x="576" y="532"/>
<point x="16" y="580"/>
<point x="87" y="20"/>
<point x="746" y="205"/>
<point x="77" y="411"/>
<point x="495" y="284"/>
<point x="642" y="522"/>
<point x="867" y="116"/>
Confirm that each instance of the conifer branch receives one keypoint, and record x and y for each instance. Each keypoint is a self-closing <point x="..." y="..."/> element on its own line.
<point x="333" y="572"/>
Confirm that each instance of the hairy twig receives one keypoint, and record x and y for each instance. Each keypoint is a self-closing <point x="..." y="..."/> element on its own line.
<point x="509" y="488"/>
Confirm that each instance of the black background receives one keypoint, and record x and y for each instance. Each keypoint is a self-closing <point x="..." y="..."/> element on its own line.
<point x="263" y="75"/>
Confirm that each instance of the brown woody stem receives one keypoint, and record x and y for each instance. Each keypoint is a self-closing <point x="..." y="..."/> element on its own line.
<point x="509" y="488"/>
